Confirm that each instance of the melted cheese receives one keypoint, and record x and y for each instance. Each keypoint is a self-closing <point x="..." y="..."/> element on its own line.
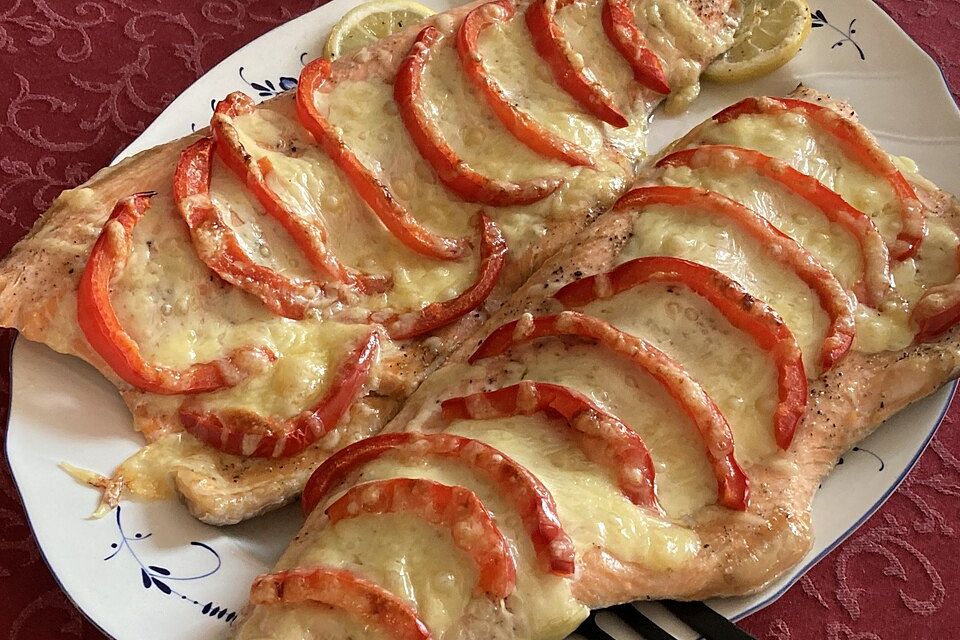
<point x="890" y="327"/>
<point x="937" y="261"/>
<point x="791" y="138"/>
<point x="261" y="236"/>
<point x="409" y="557"/>
<point x="739" y="376"/>
<point x="177" y="310"/>
<point x="311" y="351"/>
<point x="309" y="182"/>
<point x="593" y="510"/>
<point x="601" y="62"/>
<point x="671" y="231"/>
<point x="675" y="33"/>
<point x="543" y="605"/>
<point x="371" y="126"/>
<point x="531" y="85"/>
<point x="149" y="473"/>
<point x="180" y="313"/>
<point x="684" y="479"/>
<point x="582" y="25"/>
<point x="831" y="244"/>
<point x="418" y="562"/>
<point x="305" y="622"/>
<point x="470" y="127"/>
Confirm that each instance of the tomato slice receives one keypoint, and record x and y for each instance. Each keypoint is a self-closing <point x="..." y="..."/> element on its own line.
<point x="551" y="43"/>
<point x="937" y="311"/>
<point x="856" y="143"/>
<point x="603" y="438"/>
<point x="455" y="508"/>
<point x="452" y="170"/>
<point x="622" y="31"/>
<point x="102" y="328"/>
<point x="243" y="433"/>
<point x="780" y="247"/>
<point x="532" y="500"/>
<point x="344" y="591"/>
<point x="876" y="281"/>
<point x="310" y="237"/>
<point x="523" y="127"/>
<point x="219" y="248"/>
<point x="493" y="251"/>
<point x="748" y="314"/>
<point x="369" y="187"/>
<point x="732" y="483"/>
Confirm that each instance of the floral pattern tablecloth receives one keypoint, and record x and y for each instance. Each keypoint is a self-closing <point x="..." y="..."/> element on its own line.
<point x="80" y="79"/>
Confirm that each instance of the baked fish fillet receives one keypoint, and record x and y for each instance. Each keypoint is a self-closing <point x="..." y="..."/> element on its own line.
<point x="650" y="415"/>
<point x="273" y="288"/>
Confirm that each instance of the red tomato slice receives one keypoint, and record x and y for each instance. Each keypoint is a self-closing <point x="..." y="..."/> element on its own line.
<point x="622" y="31"/>
<point x="219" y="248"/>
<point x="516" y="484"/>
<point x="603" y="438"/>
<point x="243" y="433"/>
<point x="369" y="187"/>
<point x="452" y="170"/>
<point x="937" y="311"/>
<point x="876" y="281"/>
<point x="856" y="143"/>
<point x="551" y="43"/>
<point x="748" y="314"/>
<point x="343" y="591"/>
<point x="780" y="247"/>
<point x="523" y="127"/>
<point x="732" y="483"/>
<point x="455" y="508"/>
<point x="310" y="237"/>
<point x="102" y="328"/>
<point x="493" y="251"/>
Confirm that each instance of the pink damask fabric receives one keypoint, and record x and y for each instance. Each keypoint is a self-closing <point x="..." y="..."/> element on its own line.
<point x="80" y="80"/>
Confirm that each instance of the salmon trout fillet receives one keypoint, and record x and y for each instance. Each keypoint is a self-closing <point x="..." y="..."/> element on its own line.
<point x="651" y="413"/>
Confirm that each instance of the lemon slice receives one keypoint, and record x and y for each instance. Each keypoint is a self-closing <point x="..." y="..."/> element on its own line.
<point x="370" y="21"/>
<point x="770" y="35"/>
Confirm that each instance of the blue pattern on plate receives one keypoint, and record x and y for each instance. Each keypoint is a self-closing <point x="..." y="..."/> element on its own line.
<point x="267" y="88"/>
<point x="867" y="451"/>
<point x="820" y="20"/>
<point x="159" y="577"/>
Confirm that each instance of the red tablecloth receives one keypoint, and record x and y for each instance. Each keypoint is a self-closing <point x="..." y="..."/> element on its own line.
<point x="79" y="81"/>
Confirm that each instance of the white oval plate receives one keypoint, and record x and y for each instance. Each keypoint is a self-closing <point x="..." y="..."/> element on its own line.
<point x="150" y="571"/>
